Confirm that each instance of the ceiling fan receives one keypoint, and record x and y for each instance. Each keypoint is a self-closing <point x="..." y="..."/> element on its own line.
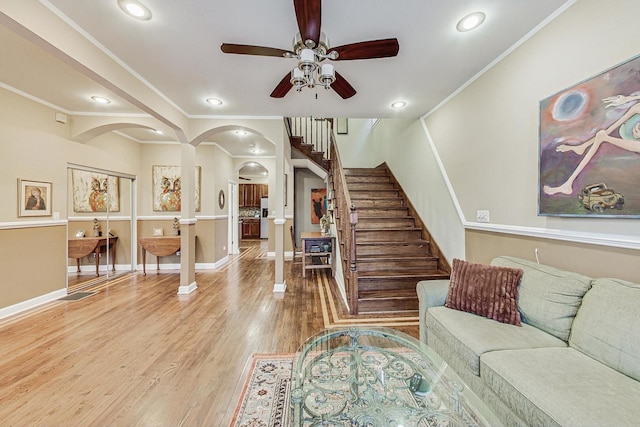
<point x="311" y="48"/>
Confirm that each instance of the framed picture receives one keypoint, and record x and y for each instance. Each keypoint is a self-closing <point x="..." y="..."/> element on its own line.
<point x="95" y="192"/>
<point x="166" y="185"/>
<point x="342" y="126"/>
<point x="157" y="232"/>
<point x="589" y="145"/>
<point x="34" y="198"/>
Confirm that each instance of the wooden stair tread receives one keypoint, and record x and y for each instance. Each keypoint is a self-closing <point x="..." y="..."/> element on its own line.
<point x="388" y="229"/>
<point x="387" y="257"/>
<point x="413" y="242"/>
<point x="406" y="273"/>
<point x="395" y="294"/>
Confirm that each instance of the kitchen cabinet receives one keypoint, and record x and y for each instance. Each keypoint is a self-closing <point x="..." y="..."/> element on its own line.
<point x="251" y="228"/>
<point x="249" y="195"/>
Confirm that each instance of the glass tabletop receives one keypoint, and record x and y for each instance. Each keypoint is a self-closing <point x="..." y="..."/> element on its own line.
<point x="370" y="377"/>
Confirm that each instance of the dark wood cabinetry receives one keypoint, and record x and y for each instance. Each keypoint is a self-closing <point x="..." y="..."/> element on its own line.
<point x="251" y="228"/>
<point x="249" y="195"/>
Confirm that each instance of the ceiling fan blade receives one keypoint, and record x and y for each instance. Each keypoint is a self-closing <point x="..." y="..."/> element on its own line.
<point x="383" y="48"/>
<point x="283" y="87"/>
<point x="342" y="87"/>
<point x="245" y="49"/>
<point x="308" y="14"/>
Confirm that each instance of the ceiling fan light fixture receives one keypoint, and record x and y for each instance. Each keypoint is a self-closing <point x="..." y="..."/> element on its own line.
<point x="135" y="9"/>
<point x="327" y="75"/>
<point x="307" y="61"/>
<point x="471" y="22"/>
<point x="298" y="80"/>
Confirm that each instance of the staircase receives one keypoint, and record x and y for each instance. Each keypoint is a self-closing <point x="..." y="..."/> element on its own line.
<point x="308" y="150"/>
<point x="388" y="250"/>
<point x="393" y="250"/>
<point x="312" y="138"/>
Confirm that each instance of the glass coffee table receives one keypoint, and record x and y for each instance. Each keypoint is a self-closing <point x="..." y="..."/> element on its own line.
<point x="378" y="377"/>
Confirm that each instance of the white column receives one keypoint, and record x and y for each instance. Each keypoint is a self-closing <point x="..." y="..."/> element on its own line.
<point x="279" y="286"/>
<point x="188" y="219"/>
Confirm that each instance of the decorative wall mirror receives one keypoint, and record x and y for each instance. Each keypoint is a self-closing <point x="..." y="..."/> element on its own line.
<point x="221" y="199"/>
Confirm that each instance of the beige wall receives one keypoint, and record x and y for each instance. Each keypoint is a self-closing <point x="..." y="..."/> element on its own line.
<point x="487" y="135"/>
<point x="34" y="261"/>
<point x="592" y="260"/>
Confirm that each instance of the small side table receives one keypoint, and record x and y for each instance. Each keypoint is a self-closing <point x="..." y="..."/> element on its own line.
<point x="316" y="244"/>
<point x="83" y="246"/>
<point x="158" y="246"/>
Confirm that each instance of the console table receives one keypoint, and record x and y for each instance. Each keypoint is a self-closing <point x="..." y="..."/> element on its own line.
<point x="158" y="246"/>
<point x="83" y="246"/>
<point x="316" y="244"/>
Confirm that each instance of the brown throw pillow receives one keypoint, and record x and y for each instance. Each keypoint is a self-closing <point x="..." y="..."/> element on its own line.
<point x="485" y="290"/>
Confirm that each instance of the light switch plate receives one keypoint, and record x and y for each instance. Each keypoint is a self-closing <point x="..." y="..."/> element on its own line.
<point x="482" y="216"/>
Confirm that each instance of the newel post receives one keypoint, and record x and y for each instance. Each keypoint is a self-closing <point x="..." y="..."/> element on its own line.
<point x="353" y="219"/>
<point x="353" y="274"/>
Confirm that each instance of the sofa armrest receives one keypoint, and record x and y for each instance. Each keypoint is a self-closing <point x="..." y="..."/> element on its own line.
<point x="431" y="293"/>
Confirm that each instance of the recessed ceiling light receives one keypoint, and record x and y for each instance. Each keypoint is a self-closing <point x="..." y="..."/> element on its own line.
<point x="214" y="101"/>
<point x="398" y="104"/>
<point x="470" y="22"/>
<point x="241" y="132"/>
<point x="135" y="9"/>
<point x="158" y="131"/>
<point x="101" y="100"/>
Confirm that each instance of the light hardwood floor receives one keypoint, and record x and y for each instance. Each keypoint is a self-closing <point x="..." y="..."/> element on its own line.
<point x="137" y="354"/>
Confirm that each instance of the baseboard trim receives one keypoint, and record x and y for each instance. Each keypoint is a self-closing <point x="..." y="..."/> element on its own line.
<point x="279" y="288"/>
<point x="32" y="303"/>
<point x="288" y="255"/>
<point x="184" y="290"/>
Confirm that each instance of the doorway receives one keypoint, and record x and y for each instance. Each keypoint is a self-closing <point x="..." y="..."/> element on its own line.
<point x="253" y="201"/>
<point x="101" y="228"/>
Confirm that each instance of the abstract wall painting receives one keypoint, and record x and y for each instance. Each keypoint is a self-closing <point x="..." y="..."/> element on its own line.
<point x="589" y="164"/>
<point x="167" y="188"/>
<point x="95" y="192"/>
<point x="318" y="204"/>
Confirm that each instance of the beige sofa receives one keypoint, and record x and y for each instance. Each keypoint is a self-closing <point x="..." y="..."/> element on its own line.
<point x="575" y="361"/>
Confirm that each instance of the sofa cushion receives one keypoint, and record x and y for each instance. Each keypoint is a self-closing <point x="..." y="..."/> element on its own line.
<point x="470" y="336"/>
<point x="607" y="326"/>
<point x="561" y="386"/>
<point x="548" y="298"/>
<point x="485" y="290"/>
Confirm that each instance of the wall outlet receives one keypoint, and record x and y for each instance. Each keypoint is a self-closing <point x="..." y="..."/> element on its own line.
<point x="482" y="216"/>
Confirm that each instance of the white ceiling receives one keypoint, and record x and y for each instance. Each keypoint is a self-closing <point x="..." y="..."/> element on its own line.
<point x="177" y="54"/>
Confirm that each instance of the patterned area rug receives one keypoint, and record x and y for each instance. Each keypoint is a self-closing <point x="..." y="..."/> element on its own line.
<point x="265" y="396"/>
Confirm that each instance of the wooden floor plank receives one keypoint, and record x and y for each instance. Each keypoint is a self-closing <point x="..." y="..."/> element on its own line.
<point x="136" y="353"/>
